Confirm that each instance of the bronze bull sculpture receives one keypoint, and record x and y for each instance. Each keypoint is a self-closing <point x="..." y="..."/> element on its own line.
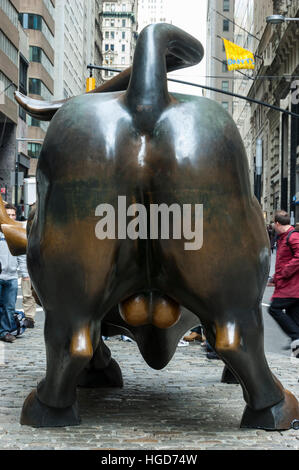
<point x="149" y="148"/>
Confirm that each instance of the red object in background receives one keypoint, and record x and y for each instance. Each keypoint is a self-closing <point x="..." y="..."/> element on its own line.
<point x="3" y="190"/>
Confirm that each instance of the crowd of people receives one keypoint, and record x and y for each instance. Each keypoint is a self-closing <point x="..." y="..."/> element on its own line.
<point x="284" y="307"/>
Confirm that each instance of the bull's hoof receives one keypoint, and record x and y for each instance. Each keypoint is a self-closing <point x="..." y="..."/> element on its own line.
<point x="111" y="376"/>
<point x="37" y="414"/>
<point x="284" y="415"/>
<point x="228" y="377"/>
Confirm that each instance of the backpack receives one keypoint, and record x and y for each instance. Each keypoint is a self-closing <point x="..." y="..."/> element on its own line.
<point x="288" y="237"/>
<point x="18" y="323"/>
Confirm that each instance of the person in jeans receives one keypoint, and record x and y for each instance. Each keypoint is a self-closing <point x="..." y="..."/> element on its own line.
<point x="284" y="306"/>
<point x="9" y="283"/>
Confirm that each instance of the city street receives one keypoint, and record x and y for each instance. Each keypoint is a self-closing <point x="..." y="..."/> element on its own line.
<point x="183" y="407"/>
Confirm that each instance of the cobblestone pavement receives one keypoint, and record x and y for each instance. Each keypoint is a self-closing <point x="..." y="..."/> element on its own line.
<point x="184" y="406"/>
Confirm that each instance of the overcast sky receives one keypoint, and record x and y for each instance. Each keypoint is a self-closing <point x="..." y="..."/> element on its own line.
<point x="191" y="16"/>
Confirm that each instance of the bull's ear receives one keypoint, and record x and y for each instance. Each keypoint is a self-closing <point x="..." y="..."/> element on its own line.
<point x="16" y="239"/>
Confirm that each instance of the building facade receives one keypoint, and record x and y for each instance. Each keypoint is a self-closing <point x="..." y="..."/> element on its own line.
<point x="13" y="75"/>
<point x="77" y="44"/>
<point x="220" y="23"/>
<point x="150" y="11"/>
<point x="38" y="19"/>
<point x="244" y="37"/>
<point x="276" y="82"/>
<point x="119" y="29"/>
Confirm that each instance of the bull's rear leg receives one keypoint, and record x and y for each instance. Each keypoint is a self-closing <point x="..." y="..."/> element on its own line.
<point x="102" y="371"/>
<point x="69" y="350"/>
<point x="240" y="343"/>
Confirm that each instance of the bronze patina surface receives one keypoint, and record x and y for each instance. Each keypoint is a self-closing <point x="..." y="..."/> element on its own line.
<point x="152" y="147"/>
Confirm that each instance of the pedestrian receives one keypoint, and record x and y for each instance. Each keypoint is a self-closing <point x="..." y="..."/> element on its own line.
<point x="29" y="304"/>
<point x="195" y="334"/>
<point x="284" y="307"/>
<point x="8" y="283"/>
<point x="272" y="236"/>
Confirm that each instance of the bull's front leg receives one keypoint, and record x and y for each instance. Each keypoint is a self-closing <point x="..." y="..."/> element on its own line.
<point x="239" y="342"/>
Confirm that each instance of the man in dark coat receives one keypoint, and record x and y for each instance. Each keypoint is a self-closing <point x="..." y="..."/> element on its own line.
<point x="284" y="306"/>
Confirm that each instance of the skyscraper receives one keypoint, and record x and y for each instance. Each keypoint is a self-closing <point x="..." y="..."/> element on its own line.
<point x="77" y="44"/>
<point x="220" y="22"/>
<point x="150" y="11"/>
<point x="119" y="28"/>
<point x="38" y="19"/>
<point x="13" y="75"/>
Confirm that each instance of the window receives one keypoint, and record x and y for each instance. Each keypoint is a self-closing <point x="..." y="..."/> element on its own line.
<point x="7" y="87"/>
<point x="8" y="48"/>
<point x="225" y="25"/>
<point x="10" y="11"/>
<point x="224" y="66"/>
<point x="225" y="85"/>
<point x="31" y="21"/>
<point x="107" y="35"/>
<point x="36" y="54"/>
<point x="106" y="47"/>
<point x="225" y="5"/>
<point x="112" y="34"/>
<point x="37" y="87"/>
<point x="123" y="23"/>
<point x="225" y="105"/>
<point x="123" y="35"/>
<point x="112" y="47"/>
<point x="23" y="76"/>
<point x="34" y="149"/>
<point x="123" y="48"/>
<point x="37" y="123"/>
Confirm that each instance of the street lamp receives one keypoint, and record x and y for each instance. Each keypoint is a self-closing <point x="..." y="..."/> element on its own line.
<point x="259" y="168"/>
<point x="278" y="19"/>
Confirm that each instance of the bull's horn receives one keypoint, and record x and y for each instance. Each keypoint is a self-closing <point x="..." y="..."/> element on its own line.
<point x="4" y="218"/>
<point x="39" y="109"/>
<point x="16" y="239"/>
<point x="45" y="110"/>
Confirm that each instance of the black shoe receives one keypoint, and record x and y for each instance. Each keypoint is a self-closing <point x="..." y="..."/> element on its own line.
<point x="212" y="355"/>
<point x="29" y="322"/>
<point x="8" y="338"/>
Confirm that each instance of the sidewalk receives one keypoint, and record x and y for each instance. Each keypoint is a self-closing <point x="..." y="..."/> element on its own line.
<point x="184" y="406"/>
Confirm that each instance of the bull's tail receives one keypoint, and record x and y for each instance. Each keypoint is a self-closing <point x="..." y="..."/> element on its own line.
<point x="160" y="48"/>
<point x="151" y="308"/>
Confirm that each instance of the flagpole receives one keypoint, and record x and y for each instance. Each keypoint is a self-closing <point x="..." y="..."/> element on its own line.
<point x="217" y="90"/>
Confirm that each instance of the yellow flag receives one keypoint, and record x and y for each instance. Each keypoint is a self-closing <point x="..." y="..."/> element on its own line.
<point x="237" y="57"/>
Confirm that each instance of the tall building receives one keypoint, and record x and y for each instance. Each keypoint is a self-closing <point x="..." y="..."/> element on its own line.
<point x="220" y="23"/>
<point x="276" y="82"/>
<point x="150" y="11"/>
<point x="244" y="37"/>
<point x="119" y="29"/>
<point x="77" y="44"/>
<point x="38" y="19"/>
<point x="13" y="75"/>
